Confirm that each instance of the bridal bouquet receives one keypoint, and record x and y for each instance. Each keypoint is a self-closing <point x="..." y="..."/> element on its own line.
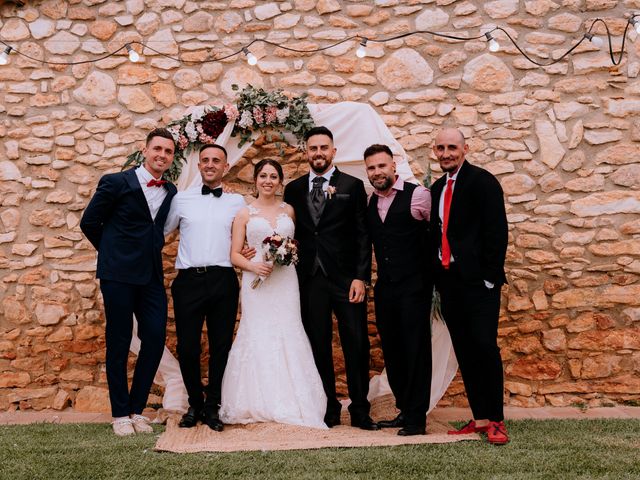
<point x="278" y="250"/>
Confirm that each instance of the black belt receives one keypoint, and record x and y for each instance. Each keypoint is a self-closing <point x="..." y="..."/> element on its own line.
<point x="206" y="269"/>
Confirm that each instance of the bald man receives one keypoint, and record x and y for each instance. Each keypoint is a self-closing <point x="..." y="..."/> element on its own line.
<point x="468" y="249"/>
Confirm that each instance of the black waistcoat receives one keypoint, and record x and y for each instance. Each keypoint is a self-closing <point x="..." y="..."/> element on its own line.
<point x="400" y="241"/>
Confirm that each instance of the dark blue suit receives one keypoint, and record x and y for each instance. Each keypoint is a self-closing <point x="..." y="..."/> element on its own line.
<point x="129" y="242"/>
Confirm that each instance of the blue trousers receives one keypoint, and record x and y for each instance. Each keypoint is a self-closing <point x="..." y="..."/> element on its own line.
<point x="149" y="304"/>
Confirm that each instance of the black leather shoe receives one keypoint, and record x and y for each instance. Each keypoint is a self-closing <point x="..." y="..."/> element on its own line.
<point x="211" y="420"/>
<point x="395" y="423"/>
<point x="331" y="421"/>
<point x="409" y="430"/>
<point x="190" y="419"/>
<point x="365" y="423"/>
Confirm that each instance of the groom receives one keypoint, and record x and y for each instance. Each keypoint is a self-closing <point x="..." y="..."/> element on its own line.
<point x="335" y="262"/>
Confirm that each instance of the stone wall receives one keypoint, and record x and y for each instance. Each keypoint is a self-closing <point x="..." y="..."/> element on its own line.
<point x="563" y="140"/>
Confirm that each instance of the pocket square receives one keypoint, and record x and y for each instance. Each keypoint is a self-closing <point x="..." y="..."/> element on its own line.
<point x="341" y="196"/>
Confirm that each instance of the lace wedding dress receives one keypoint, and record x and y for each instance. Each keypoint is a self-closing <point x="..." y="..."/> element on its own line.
<point x="271" y="375"/>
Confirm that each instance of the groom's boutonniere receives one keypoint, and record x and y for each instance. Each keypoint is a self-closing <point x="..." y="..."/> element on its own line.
<point x="331" y="190"/>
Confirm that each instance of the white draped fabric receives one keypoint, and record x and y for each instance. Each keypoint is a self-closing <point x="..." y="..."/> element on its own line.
<point x="355" y="126"/>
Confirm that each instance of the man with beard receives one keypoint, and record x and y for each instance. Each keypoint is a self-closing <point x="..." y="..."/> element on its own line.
<point x="206" y="288"/>
<point x="335" y="262"/>
<point x="398" y="219"/>
<point x="468" y="250"/>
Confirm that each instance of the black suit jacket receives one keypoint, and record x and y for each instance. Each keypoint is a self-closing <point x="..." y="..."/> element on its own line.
<point x="118" y="223"/>
<point x="478" y="230"/>
<point x="340" y="239"/>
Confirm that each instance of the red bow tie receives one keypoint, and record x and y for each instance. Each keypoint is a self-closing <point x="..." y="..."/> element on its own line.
<point x="156" y="183"/>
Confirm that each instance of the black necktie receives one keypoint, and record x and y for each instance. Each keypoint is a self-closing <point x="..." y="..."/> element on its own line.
<point x="317" y="195"/>
<point x="216" y="192"/>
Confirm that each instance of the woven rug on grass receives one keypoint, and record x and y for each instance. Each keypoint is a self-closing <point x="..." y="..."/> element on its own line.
<point x="275" y="436"/>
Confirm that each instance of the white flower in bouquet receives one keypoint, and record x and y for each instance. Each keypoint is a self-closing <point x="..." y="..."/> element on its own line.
<point x="282" y="114"/>
<point x="174" y="130"/>
<point x="198" y="114"/>
<point x="281" y="251"/>
<point x="191" y="131"/>
<point x="246" y="120"/>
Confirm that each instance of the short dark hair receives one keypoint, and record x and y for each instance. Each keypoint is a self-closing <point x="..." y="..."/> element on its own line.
<point x="160" y="132"/>
<point x="268" y="161"/>
<point x="377" y="148"/>
<point x="318" y="131"/>
<point x="213" y="145"/>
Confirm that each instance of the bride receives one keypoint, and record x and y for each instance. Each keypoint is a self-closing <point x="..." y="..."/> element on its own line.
<point x="270" y="375"/>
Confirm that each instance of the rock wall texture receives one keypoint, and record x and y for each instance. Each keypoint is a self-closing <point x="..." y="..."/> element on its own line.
<point x="564" y="141"/>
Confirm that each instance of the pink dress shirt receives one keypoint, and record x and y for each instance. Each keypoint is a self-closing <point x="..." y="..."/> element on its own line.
<point x="420" y="201"/>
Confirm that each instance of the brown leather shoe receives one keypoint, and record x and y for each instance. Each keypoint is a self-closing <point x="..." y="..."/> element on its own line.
<point x="469" y="427"/>
<point x="497" y="433"/>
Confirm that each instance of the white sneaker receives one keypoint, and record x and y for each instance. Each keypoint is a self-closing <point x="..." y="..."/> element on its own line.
<point x="123" y="426"/>
<point x="141" y="424"/>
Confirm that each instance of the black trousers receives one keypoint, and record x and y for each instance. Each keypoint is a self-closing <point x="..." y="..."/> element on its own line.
<point x="319" y="298"/>
<point x="403" y="320"/>
<point x="149" y="304"/>
<point x="210" y="296"/>
<point x="471" y="313"/>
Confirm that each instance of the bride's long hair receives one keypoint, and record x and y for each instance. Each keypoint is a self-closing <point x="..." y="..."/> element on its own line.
<point x="263" y="163"/>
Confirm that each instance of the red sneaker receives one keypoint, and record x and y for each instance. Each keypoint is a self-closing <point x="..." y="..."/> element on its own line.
<point x="497" y="433"/>
<point x="470" y="427"/>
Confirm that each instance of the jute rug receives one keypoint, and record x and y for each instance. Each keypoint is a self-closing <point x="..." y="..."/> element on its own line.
<point x="274" y="436"/>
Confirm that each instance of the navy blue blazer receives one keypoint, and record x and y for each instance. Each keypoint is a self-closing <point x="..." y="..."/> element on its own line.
<point x="118" y="223"/>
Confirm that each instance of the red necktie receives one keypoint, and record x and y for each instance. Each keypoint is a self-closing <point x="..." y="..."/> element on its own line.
<point x="446" y="249"/>
<point x="156" y="183"/>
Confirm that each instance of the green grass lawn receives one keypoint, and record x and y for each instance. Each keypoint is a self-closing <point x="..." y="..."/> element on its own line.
<point x="562" y="449"/>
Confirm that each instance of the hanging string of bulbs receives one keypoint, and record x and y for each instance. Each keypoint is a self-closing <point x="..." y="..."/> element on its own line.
<point x="361" y="52"/>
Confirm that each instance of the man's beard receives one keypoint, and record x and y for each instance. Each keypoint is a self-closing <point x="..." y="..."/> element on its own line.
<point x="382" y="185"/>
<point x="321" y="169"/>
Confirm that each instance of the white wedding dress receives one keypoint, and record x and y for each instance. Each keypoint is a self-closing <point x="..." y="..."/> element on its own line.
<point x="271" y="375"/>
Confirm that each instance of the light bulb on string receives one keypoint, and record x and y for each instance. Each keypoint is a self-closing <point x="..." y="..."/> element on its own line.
<point x="133" y="55"/>
<point x="362" y="49"/>
<point x="251" y="58"/>
<point x="596" y="41"/>
<point x="494" y="46"/>
<point x="4" y="56"/>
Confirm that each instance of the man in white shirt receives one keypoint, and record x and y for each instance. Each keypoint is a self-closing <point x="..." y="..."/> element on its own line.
<point x="206" y="287"/>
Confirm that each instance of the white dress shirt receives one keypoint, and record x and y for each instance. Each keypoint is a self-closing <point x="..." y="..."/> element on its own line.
<point x="154" y="195"/>
<point x="205" y="227"/>
<point x="326" y="175"/>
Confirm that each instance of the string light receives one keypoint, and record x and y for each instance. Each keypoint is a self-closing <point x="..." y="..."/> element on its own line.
<point x="4" y="56"/>
<point x="494" y="46"/>
<point x="251" y="58"/>
<point x="596" y="41"/>
<point x="361" y="52"/>
<point x="133" y="55"/>
<point x="362" y="49"/>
